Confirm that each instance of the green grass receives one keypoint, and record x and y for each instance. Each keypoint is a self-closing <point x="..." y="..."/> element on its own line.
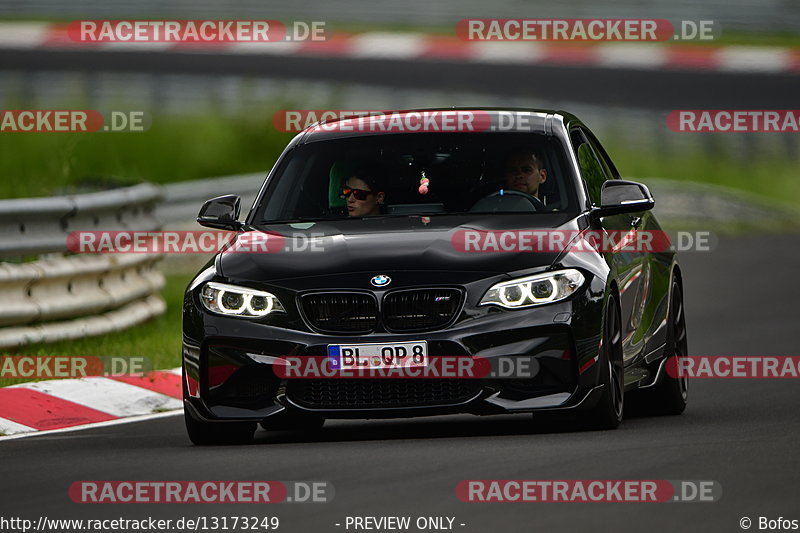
<point x="738" y="37"/>
<point x="771" y="178"/>
<point x="158" y="339"/>
<point x="174" y="149"/>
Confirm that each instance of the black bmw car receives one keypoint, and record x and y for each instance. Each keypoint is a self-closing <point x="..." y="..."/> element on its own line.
<point x="400" y="242"/>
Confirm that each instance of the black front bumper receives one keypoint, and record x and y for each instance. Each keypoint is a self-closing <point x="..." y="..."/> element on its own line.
<point x="228" y="367"/>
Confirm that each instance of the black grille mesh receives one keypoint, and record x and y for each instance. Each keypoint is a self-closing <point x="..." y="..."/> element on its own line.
<point x="420" y="309"/>
<point x="341" y="312"/>
<point x="379" y="393"/>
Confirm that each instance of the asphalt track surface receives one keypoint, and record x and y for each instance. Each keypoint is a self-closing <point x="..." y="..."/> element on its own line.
<point x="650" y="89"/>
<point x="745" y="434"/>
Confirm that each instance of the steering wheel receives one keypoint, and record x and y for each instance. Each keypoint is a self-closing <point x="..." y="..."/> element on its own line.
<point x="537" y="204"/>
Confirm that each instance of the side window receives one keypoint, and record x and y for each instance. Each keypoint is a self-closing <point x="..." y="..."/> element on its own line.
<point x="611" y="169"/>
<point x="592" y="170"/>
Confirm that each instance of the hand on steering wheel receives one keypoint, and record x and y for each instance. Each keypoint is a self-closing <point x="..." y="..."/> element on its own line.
<point x="538" y="205"/>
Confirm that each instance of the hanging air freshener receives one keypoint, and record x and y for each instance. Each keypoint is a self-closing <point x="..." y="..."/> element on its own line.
<point x="423" y="184"/>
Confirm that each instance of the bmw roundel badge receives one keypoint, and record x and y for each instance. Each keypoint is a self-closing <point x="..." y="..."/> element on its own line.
<point x="381" y="281"/>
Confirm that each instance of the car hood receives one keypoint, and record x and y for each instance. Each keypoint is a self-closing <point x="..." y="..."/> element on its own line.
<point x="383" y="245"/>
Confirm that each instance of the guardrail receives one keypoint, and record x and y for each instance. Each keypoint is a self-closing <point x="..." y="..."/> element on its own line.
<point x="31" y="226"/>
<point x="59" y="296"/>
<point x="182" y="200"/>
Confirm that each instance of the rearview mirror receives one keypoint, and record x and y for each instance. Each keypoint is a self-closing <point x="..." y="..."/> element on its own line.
<point x="621" y="196"/>
<point x="221" y="212"/>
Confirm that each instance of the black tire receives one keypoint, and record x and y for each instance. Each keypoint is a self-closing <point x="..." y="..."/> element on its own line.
<point x="608" y="412"/>
<point x="293" y="422"/>
<point x="207" y="433"/>
<point x="670" y="395"/>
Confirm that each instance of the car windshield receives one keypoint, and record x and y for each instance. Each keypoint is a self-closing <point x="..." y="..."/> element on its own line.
<point x="419" y="174"/>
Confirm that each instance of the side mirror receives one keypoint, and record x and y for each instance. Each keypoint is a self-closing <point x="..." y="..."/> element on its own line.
<point x="621" y="196"/>
<point x="221" y="212"/>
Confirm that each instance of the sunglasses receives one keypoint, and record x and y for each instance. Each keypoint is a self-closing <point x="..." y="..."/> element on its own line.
<point x="360" y="194"/>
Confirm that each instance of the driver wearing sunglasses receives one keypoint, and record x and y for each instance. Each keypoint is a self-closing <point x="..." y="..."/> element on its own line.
<point x="364" y="195"/>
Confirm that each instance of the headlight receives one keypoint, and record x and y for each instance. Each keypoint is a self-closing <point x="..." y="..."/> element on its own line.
<point x="239" y="301"/>
<point x="534" y="290"/>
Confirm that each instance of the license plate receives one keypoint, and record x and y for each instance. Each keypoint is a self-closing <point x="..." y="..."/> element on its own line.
<point x="378" y="355"/>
